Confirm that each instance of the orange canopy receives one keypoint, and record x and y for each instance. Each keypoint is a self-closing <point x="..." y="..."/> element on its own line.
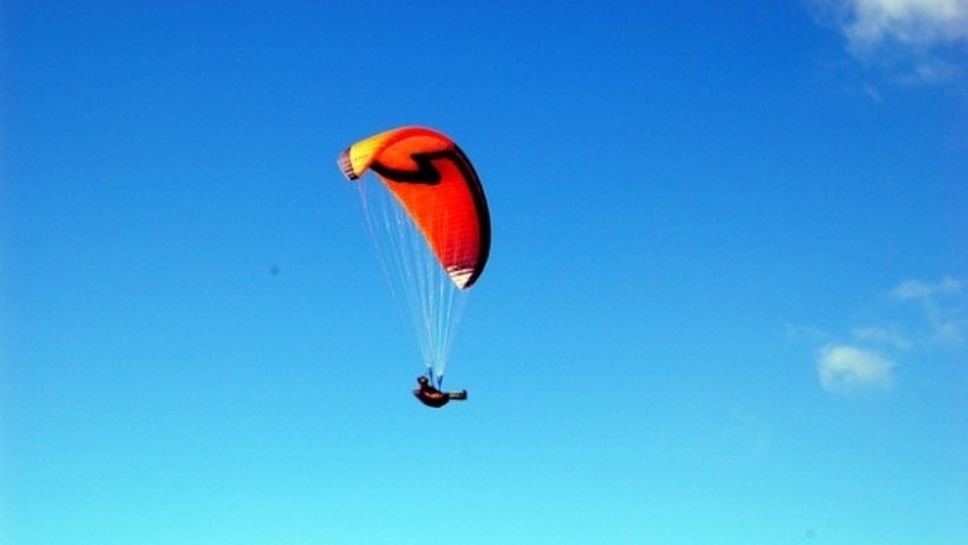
<point x="436" y="184"/>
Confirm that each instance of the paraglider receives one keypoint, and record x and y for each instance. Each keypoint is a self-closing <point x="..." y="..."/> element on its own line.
<point x="431" y="225"/>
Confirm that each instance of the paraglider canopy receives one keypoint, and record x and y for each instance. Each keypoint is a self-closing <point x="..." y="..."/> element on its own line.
<point x="435" y="183"/>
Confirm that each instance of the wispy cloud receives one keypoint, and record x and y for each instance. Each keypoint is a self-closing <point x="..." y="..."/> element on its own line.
<point x="845" y="368"/>
<point x="809" y="333"/>
<point x="889" y="336"/>
<point x="748" y="430"/>
<point x="916" y="316"/>
<point x="920" y="290"/>
<point x="923" y="39"/>
<point x="941" y="304"/>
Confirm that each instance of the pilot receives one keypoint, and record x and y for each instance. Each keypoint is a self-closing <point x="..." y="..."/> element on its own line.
<point x="433" y="397"/>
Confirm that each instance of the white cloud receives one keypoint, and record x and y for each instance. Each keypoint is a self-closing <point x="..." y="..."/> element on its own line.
<point x="869" y="23"/>
<point x="844" y="368"/>
<point x="923" y="41"/>
<point x="916" y="317"/>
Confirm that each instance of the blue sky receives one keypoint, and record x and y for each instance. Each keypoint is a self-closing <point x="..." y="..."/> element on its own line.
<point x="727" y="300"/>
